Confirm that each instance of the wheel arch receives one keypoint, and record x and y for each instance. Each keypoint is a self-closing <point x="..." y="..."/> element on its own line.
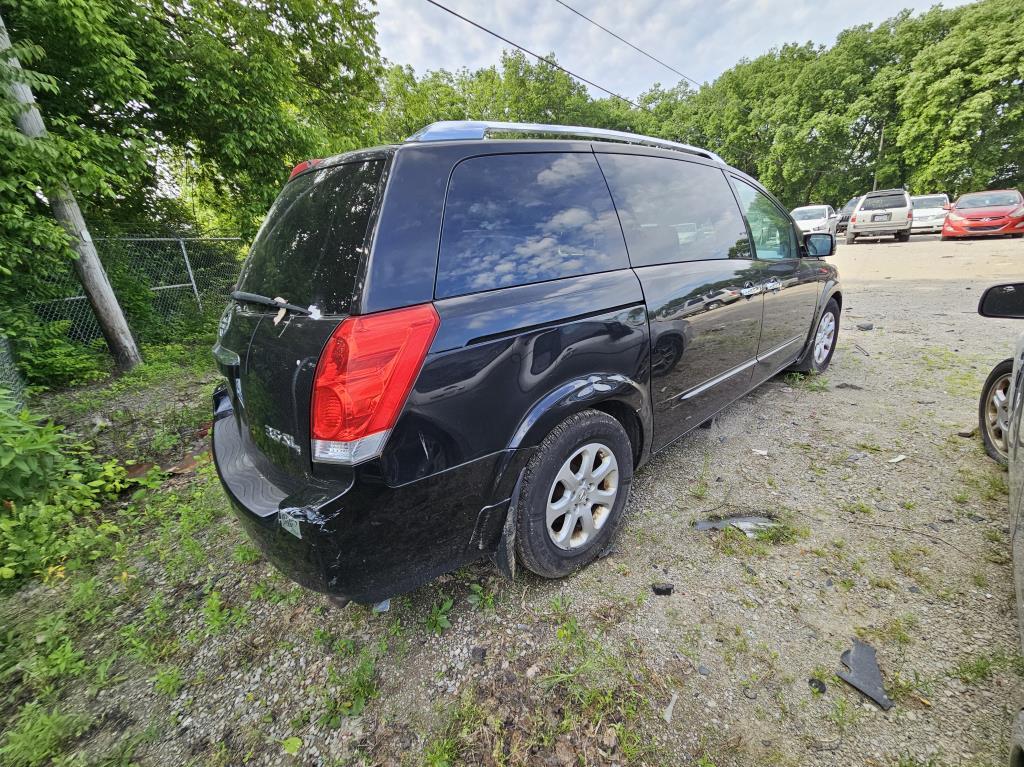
<point x="621" y="397"/>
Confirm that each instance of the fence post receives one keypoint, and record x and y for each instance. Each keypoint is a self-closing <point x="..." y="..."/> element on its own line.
<point x="191" y="277"/>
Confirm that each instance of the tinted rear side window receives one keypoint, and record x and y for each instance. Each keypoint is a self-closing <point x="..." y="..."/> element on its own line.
<point x="523" y="218"/>
<point x="310" y="245"/>
<point x="887" y="201"/>
<point x="673" y="210"/>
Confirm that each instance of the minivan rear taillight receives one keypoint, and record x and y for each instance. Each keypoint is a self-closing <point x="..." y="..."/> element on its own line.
<point x="364" y="376"/>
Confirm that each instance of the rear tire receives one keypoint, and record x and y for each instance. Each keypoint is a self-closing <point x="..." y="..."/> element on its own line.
<point x="823" y="343"/>
<point x="850" y="237"/>
<point x="573" y="494"/>
<point x="994" y="411"/>
<point x="903" y="237"/>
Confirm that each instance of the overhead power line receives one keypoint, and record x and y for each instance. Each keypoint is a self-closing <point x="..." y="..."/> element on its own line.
<point x="624" y="40"/>
<point x="537" y="56"/>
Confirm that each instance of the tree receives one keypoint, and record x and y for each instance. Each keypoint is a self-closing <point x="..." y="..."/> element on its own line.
<point x="963" y="103"/>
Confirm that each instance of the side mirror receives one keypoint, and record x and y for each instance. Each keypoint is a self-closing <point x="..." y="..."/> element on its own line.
<point x="822" y="244"/>
<point x="1003" y="301"/>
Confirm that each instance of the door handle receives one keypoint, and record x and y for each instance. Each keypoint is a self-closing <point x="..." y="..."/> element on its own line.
<point x="750" y="289"/>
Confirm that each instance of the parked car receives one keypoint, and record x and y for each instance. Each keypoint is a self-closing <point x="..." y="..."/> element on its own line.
<point x="929" y="213"/>
<point x="1007" y="302"/>
<point x="815" y="218"/>
<point x="881" y="213"/>
<point x="442" y="350"/>
<point x="986" y="214"/>
<point x="845" y="213"/>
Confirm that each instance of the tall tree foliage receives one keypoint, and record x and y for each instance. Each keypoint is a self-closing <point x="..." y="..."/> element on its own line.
<point x="216" y="96"/>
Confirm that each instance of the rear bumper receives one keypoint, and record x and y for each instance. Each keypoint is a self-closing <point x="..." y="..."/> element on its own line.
<point x="359" y="538"/>
<point x="996" y="228"/>
<point x="862" y="230"/>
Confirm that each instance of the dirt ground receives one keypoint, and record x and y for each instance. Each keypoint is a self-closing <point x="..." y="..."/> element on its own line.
<point x="735" y="667"/>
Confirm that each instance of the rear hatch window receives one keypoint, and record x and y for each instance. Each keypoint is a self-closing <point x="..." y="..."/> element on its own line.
<point x="311" y="244"/>
<point x="884" y="202"/>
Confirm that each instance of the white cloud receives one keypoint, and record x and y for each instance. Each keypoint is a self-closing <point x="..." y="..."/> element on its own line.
<point x="701" y="38"/>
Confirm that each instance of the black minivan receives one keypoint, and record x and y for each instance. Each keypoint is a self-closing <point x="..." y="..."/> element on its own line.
<point x="465" y="345"/>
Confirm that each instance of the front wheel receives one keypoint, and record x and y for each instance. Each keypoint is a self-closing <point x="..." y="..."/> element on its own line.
<point x="573" y="494"/>
<point x="994" y="411"/>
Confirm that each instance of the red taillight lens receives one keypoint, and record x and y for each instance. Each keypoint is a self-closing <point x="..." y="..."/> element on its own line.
<point x="910" y="213"/>
<point x="304" y="165"/>
<point x="853" y="219"/>
<point x="363" y="378"/>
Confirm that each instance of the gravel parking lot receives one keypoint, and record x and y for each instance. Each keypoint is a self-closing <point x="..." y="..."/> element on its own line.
<point x="891" y="528"/>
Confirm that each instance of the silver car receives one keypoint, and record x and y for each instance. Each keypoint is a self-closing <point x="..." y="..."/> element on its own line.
<point x="880" y="213"/>
<point x="929" y="213"/>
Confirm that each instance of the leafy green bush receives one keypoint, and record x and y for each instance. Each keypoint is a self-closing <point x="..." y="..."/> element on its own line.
<point x="50" y="491"/>
<point x="48" y="359"/>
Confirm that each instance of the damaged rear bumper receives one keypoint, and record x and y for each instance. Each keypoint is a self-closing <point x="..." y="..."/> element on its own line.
<point x="355" y="536"/>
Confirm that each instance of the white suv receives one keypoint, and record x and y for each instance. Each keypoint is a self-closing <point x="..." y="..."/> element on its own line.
<point x="879" y="213"/>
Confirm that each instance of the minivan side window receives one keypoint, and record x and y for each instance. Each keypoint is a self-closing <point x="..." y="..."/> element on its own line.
<point x="770" y="228"/>
<point x="673" y="210"/>
<point x="517" y="219"/>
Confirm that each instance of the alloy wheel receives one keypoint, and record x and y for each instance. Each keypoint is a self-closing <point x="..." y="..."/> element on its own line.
<point x="824" y="338"/>
<point x="582" y="496"/>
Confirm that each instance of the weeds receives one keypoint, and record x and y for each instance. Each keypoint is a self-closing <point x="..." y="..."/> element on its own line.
<point x="982" y="667"/>
<point x="437" y="620"/>
<point x="348" y="694"/>
<point x="168" y="681"/>
<point x="219" y="617"/>
<point x="480" y="598"/>
<point x="38" y="735"/>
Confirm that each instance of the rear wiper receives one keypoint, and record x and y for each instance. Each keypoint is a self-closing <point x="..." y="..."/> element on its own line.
<point x="276" y="303"/>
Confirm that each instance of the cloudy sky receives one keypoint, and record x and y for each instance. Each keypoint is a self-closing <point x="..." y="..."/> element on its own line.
<point x="701" y="38"/>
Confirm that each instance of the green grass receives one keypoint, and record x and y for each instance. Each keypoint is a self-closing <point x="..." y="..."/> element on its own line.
<point x="39" y="735"/>
<point x="982" y="667"/>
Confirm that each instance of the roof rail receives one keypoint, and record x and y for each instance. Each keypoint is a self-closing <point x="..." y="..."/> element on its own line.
<point x="459" y="130"/>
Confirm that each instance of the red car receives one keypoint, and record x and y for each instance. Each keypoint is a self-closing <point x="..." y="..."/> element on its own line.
<point x="997" y="212"/>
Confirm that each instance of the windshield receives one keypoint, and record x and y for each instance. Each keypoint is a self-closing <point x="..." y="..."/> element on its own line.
<point x="309" y="248"/>
<point x="809" y="214"/>
<point x="933" y="201"/>
<point x="886" y="201"/>
<point x="988" y="200"/>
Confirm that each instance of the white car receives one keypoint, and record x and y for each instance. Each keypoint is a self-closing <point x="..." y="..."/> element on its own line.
<point x="816" y="218"/>
<point x="929" y="213"/>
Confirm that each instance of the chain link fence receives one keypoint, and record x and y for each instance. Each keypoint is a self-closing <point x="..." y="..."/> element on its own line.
<point x="155" y="278"/>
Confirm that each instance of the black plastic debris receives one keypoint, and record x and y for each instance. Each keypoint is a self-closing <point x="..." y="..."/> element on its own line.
<point x="817" y="685"/>
<point x="747" y="525"/>
<point x="864" y="674"/>
<point x="845" y="385"/>
<point x="662" y="589"/>
<point x="865" y="326"/>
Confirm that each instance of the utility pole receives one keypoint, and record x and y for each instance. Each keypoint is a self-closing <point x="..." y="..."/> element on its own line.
<point x="65" y="209"/>
<point x="878" y="160"/>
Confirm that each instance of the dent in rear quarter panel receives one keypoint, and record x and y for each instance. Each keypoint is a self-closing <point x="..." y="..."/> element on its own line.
<point x="506" y="366"/>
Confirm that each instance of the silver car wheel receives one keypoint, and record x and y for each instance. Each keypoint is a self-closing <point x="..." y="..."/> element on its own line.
<point x="997" y="413"/>
<point x="824" y="338"/>
<point x="582" y="496"/>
